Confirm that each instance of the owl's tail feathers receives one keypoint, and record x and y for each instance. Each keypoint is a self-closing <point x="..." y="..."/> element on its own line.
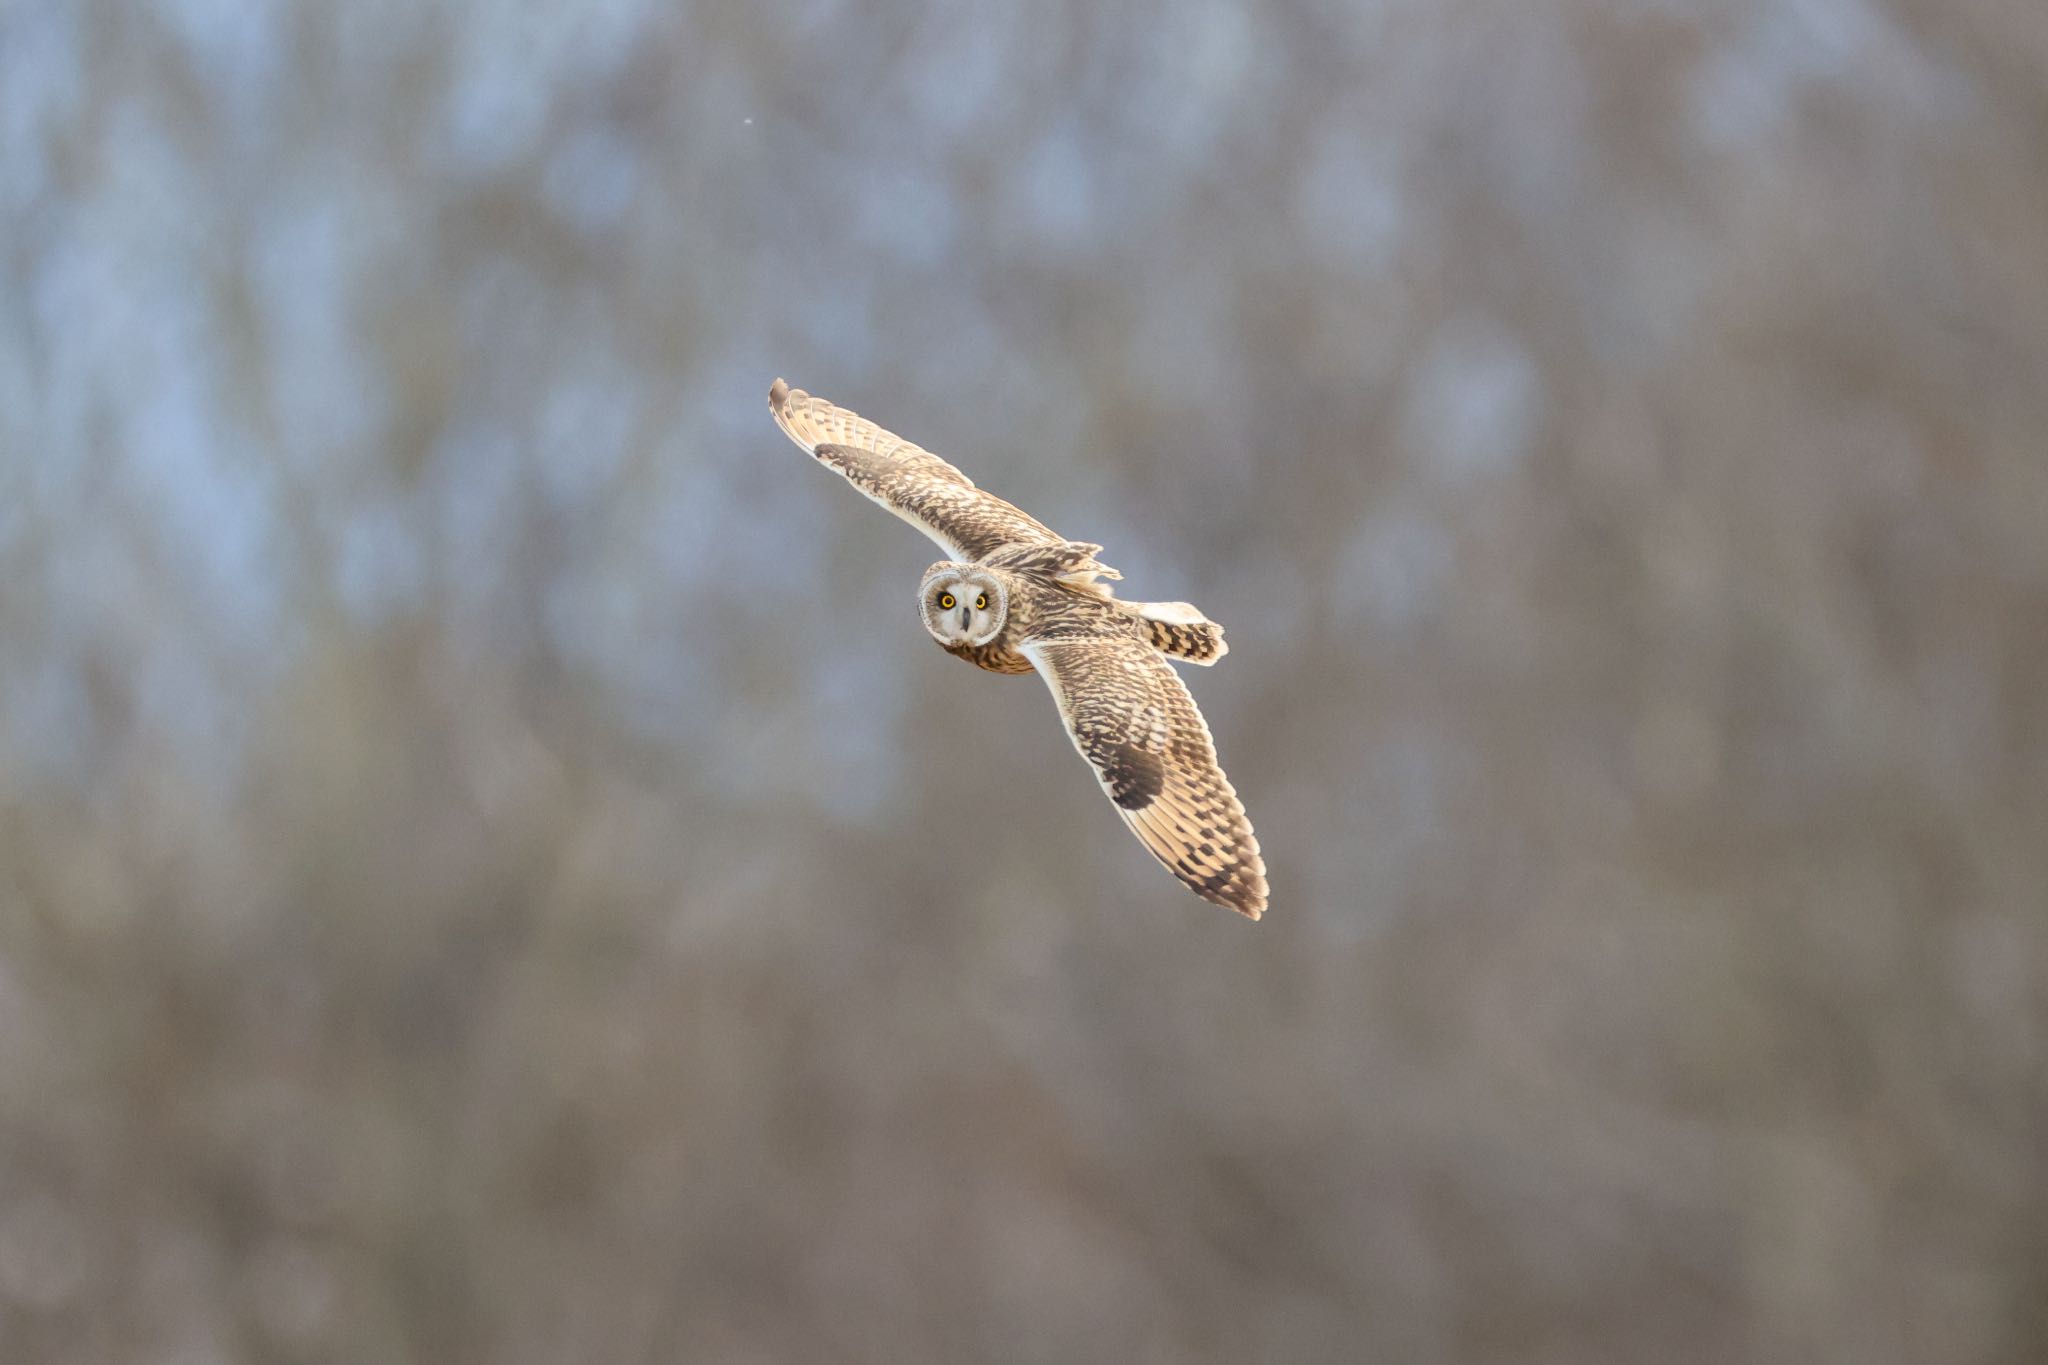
<point x="1182" y="632"/>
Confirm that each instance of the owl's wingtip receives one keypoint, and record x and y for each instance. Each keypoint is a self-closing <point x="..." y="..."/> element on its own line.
<point x="1249" y="896"/>
<point x="778" y="392"/>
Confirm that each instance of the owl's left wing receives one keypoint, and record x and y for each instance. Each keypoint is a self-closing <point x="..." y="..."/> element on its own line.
<point x="1132" y="718"/>
<point x="910" y="481"/>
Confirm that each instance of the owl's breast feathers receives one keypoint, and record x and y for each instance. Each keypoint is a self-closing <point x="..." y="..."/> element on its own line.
<point x="1042" y="604"/>
<point x="996" y="656"/>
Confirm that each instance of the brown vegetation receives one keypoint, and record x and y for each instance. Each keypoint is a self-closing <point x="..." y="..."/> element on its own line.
<point x="491" y="869"/>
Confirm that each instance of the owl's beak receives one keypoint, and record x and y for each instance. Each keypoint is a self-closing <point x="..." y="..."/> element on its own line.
<point x="964" y="614"/>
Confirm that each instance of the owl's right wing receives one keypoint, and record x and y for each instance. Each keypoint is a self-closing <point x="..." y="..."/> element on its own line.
<point x="912" y="482"/>
<point x="1132" y="718"/>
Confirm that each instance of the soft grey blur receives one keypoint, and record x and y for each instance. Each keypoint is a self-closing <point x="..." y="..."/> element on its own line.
<point x="493" y="870"/>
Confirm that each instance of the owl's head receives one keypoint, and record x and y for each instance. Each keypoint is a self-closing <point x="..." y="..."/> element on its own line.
<point x="962" y="604"/>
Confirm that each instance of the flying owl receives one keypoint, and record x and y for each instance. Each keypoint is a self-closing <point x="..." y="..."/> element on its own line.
<point x="1014" y="596"/>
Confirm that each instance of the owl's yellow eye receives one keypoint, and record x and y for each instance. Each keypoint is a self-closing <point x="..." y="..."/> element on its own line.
<point x="945" y="601"/>
<point x="981" y="602"/>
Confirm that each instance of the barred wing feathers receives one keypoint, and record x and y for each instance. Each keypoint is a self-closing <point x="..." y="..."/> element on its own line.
<point x="1131" y="717"/>
<point x="910" y="481"/>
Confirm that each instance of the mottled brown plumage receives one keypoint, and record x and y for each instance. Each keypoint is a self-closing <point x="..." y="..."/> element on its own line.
<point x="1018" y="597"/>
<point x="1133" y="720"/>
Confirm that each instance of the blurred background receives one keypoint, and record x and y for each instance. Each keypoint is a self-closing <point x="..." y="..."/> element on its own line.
<point x="476" y="803"/>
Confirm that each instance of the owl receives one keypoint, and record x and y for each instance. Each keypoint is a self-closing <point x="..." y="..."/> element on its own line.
<point x="1014" y="596"/>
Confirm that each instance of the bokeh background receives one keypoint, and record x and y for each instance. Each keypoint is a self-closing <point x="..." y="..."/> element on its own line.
<point x="493" y="870"/>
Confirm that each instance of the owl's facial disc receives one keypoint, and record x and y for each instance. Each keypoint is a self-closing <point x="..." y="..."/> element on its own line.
<point x="962" y="604"/>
